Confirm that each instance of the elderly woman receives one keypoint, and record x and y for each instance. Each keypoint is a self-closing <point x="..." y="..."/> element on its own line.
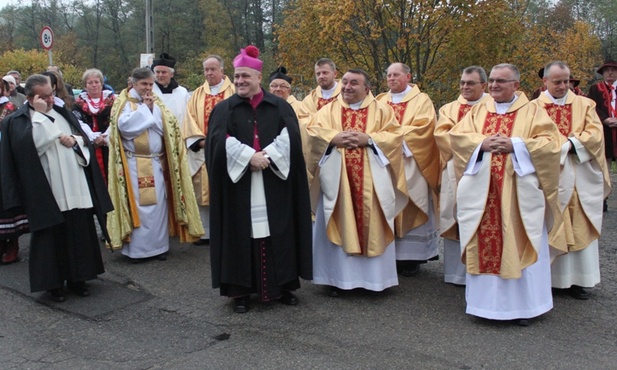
<point x="93" y="107"/>
<point x="13" y="222"/>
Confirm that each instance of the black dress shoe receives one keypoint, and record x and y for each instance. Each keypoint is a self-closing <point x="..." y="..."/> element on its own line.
<point x="522" y="322"/>
<point x="56" y="295"/>
<point x="333" y="291"/>
<point x="241" y="304"/>
<point x="579" y="292"/>
<point x="162" y="257"/>
<point x="288" y="298"/>
<point x="407" y="268"/>
<point x="202" y="242"/>
<point x="80" y="288"/>
<point x="605" y="206"/>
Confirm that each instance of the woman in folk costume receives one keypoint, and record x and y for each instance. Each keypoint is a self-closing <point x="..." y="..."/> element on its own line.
<point x="13" y="222"/>
<point x="93" y="108"/>
<point x="149" y="181"/>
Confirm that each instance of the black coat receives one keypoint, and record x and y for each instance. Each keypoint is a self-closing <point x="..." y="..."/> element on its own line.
<point x="287" y="201"/>
<point x="601" y="95"/>
<point x="23" y="182"/>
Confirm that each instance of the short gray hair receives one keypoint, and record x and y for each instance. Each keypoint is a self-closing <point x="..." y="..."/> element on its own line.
<point x="511" y="67"/>
<point x="92" y="72"/>
<point x="557" y="63"/>
<point x="477" y="69"/>
<point x="13" y="72"/>
<point x="217" y="57"/>
<point x="141" y="74"/>
<point x="33" y="81"/>
<point x="173" y="71"/>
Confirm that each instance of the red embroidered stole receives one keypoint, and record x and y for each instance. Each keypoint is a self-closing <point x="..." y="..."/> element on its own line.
<point x="462" y="111"/>
<point x="321" y="102"/>
<point x="561" y="115"/>
<point x="490" y="237"/>
<point x="355" y="120"/>
<point x="399" y="109"/>
<point x="209" y="103"/>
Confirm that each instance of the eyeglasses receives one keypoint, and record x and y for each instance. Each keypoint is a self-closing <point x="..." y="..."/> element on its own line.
<point x="498" y="81"/>
<point x="280" y="86"/>
<point x="469" y="83"/>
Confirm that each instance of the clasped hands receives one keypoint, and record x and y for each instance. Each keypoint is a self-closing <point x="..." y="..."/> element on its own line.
<point x="259" y="161"/>
<point x="350" y="140"/>
<point x="67" y="140"/>
<point x="497" y="144"/>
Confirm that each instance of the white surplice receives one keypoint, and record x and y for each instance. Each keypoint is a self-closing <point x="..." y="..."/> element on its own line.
<point x="152" y="237"/>
<point x="491" y="296"/>
<point x="63" y="167"/>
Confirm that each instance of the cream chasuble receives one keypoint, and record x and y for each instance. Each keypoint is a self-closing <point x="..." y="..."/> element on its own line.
<point x="415" y="112"/>
<point x="449" y="115"/>
<point x="528" y="196"/>
<point x="584" y="181"/>
<point x="316" y="100"/>
<point x="198" y="112"/>
<point x="383" y="185"/>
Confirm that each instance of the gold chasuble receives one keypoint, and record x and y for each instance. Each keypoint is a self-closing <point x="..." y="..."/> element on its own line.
<point x="356" y="218"/>
<point x="416" y="115"/>
<point x="183" y="213"/>
<point x="501" y="214"/>
<point x="490" y="235"/>
<point x="195" y="125"/>
<point x="314" y="101"/>
<point x="583" y="183"/>
<point x="449" y="115"/>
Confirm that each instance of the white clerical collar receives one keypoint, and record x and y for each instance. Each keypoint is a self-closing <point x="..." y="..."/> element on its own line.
<point x="475" y="101"/>
<point x="327" y="94"/>
<point x="134" y="94"/>
<point x="216" y="88"/>
<point x="502" y="108"/>
<point x="557" y="101"/>
<point x="59" y="102"/>
<point x="398" y="97"/>
<point x="356" y="106"/>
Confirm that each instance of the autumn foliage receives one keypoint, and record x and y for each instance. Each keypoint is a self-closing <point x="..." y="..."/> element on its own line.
<point x="437" y="39"/>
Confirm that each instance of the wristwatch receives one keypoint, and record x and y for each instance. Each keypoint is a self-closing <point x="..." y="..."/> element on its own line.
<point x="370" y="141"/>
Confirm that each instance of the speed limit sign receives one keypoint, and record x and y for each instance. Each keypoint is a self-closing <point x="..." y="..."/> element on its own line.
<point x="47" y="37"/>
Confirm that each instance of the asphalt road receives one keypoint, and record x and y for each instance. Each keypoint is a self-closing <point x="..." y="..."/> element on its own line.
<point x="165" y="315"/>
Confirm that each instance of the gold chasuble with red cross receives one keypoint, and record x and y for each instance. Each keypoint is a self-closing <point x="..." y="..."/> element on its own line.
<point x="503" y="213"/>
<point x="209" y="103"/>
<point x="490" y="237"/>
<point x="584" y="179"/>
<point x="355" y="120"/>
<point x="321" y="102"/>
<point x="416" y="115"/>
<point x="462" y="111"/>
<point x="449" y="115"/>
<point x="360" y="193"/>
<point x="198" y="111"/>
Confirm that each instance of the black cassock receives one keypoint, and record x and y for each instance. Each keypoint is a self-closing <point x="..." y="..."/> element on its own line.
<point x="64" y="245"/>
<point x="240" y="264"/>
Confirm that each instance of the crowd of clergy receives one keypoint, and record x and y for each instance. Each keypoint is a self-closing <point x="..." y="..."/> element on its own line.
<point x="343" y="188"/>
